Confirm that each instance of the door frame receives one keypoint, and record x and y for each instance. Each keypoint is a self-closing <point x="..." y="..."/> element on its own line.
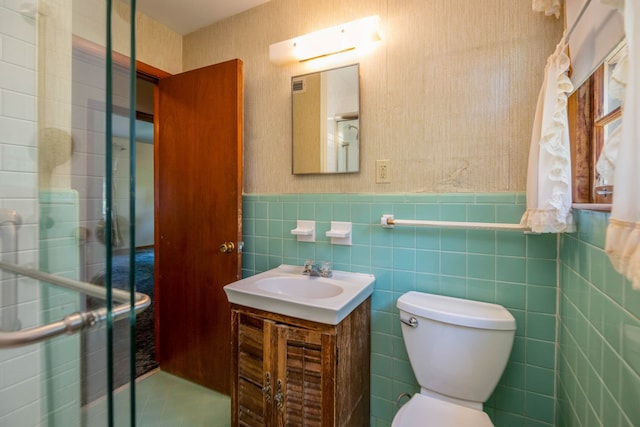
<point x="153" y="75"/>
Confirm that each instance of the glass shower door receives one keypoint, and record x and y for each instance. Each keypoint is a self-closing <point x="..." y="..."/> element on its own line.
<point x="67" y="79"/>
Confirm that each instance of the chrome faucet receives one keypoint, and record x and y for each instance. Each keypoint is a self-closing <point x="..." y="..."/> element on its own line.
<point x="317" y="270"/>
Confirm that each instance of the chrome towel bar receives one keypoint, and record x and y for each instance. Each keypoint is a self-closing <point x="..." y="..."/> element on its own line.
<point x="74" y="322"/>
<point x="388" y="221"/>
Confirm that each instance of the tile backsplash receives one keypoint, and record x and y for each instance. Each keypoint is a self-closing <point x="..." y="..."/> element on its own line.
<point x="20" y="380"/>
<point x="599" y="333"/>
<point x="510" y="268"/>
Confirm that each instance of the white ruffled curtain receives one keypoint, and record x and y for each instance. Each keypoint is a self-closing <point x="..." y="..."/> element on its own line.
<point x="623" y="233"/>
<point x="549" y="172"/>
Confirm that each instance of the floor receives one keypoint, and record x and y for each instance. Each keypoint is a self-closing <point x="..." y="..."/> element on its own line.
<point x="164" y="400"/>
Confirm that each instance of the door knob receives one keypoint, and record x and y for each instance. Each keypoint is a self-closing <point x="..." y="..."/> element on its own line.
<point x="227" y="247"/>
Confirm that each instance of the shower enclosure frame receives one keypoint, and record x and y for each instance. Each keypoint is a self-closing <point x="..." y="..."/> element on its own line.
<point x="43" y="276"/>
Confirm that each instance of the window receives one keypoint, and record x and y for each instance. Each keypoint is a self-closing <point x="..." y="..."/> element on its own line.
<point x="594" y="114"/>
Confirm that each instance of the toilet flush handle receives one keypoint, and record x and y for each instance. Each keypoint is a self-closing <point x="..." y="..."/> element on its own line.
<point x="412" y="322"/>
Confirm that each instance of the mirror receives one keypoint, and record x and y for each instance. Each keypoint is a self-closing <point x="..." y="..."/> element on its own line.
<point x="326" y="121"/>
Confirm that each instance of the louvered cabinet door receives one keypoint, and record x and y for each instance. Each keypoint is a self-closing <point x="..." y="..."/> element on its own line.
<point x="286" y="371"/>
<point x="252" y="344"/>
<point x="306" y="366"/>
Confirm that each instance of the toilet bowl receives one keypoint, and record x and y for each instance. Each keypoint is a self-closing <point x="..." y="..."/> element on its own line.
<point x="428" y="411"/>
<point x="458" y="350"/>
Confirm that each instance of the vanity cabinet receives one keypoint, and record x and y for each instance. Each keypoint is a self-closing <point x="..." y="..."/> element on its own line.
<point x="294" y="372"/>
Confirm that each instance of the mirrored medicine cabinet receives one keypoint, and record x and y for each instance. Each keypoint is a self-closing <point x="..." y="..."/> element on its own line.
<point x="326" y="121"/>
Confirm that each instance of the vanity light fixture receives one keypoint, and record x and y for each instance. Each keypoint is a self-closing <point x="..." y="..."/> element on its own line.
<point x="330" y="41"/>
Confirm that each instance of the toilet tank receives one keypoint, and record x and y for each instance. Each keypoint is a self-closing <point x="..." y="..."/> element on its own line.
<point x="458" y="348"/>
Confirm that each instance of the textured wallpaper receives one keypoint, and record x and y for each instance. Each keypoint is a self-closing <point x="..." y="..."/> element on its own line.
<point x="448" y="95"/>
<point x="158" y="45"/>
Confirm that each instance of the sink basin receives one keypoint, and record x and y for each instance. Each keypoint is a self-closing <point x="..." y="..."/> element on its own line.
<point x="285" y="290"/>
<point x="299" y="287"/>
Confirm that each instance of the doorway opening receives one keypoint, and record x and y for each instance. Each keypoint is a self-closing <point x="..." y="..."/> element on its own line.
<point x="146" y="359"/>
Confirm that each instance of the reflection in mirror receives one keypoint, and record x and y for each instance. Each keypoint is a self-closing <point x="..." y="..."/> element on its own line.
<point x="611" y="77"/>
<point x="326" y="121"/>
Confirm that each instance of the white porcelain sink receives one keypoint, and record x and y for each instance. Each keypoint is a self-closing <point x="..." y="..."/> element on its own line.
<point x="285" y="290"/>
<point x="299" y="287"/>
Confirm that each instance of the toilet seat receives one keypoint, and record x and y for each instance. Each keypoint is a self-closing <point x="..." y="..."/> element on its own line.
<point x="427" y="411"/>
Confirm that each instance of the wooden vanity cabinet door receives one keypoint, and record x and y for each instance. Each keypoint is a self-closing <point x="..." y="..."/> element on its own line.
<point x="306" y="369"/>
<point x="254" y="339"/>
<point x="304" y="361"/>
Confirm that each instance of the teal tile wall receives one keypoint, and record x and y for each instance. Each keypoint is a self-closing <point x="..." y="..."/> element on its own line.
<point x="509" y="268"/>
<point x="599" y="333"/>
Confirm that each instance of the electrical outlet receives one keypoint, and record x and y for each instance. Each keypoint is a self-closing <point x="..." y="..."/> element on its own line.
<point x="383" y="171"/>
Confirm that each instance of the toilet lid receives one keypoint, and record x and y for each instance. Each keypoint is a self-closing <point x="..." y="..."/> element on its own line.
<point x="427" y="411"/>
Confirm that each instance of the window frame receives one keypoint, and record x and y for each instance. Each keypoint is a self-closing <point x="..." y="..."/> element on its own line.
<point x="587" y="122"/>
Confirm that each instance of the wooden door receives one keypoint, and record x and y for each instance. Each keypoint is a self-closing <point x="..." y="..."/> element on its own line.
<point x="198" y="161"/>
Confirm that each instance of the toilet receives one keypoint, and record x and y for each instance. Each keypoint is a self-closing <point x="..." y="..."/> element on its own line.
<point x="458" y="350"/>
